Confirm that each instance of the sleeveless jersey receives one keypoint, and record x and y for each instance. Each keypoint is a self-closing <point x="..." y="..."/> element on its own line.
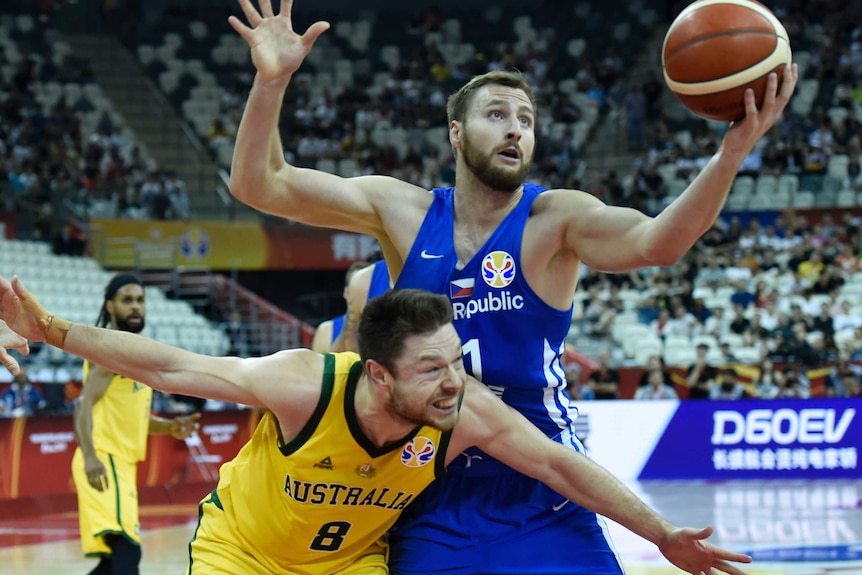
<point x="513" y="341"/>
<point x="337" y="326"/>
<point x="321" y="499"/>
<point x="379" y="280"/>
<point x="121" y="418"/>
<point x="483" y="513"/>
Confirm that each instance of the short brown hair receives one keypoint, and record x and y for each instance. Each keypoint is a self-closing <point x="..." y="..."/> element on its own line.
<point x="393" y="317"/>
<point x="456" y="106"/>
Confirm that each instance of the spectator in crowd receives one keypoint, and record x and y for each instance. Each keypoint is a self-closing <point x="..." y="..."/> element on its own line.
<point x="739" y="324"/>
<point x="810" y="269"/>
<point x="843" y="371"/>
<point x="713" y="275"/>
<point x="655" y="363"/>
<point x="604" y="381"/>
<point x="765" y="387"/>
<point x="716" y="324"/>
<point x="21" y="399"/>
<point x="681" y="324"/>
<point x="728" y="386"/>
<point x="742" y="297"/>
<point x="727" y="353"/>
<point x="700" y="376"/>
<point x="792" y="384"/>
<point x="847" y="319"/>
<point x="656" y="388"/>
<point x="824" y="322"/>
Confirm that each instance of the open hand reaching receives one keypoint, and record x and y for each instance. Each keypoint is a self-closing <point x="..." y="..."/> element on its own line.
<point x="277" y="50"/>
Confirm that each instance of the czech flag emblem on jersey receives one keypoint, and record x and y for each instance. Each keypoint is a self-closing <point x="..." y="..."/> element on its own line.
<point x="498" y="269"/>
<point x="461" y="288"/>
<point x="418" y="452"/>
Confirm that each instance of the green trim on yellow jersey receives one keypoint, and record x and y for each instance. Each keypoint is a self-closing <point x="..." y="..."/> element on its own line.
<point x="325" y="395"/>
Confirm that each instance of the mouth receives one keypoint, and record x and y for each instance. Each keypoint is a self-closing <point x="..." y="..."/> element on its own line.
<point x="134" y="319"/>
<point x="445" y="405"/>
<point x="510" y="155"/>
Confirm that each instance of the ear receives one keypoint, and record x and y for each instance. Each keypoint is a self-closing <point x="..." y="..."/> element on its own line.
<point x="377" y="374"/>
<point x="455" y="130"/>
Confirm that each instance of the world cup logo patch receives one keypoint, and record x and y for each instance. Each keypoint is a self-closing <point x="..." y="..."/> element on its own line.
<point x="498" y="269"/>
<point x="418" y="452"/>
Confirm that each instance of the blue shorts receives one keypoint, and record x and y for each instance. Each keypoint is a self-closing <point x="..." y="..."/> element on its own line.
<point x="486" y="518"/>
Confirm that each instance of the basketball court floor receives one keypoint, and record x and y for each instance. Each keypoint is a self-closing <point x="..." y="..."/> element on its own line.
<point x="790" y="527"/>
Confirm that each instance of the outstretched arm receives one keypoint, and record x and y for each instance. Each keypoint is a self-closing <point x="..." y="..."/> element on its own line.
<point x="252" y="381"/>
<point x="11" y="340"/>
<point x="260" y="176"/>
<point x="613" y="239"/>
<point x="502" y="432"/>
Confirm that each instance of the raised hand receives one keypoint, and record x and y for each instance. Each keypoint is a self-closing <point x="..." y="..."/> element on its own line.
<point x="744" y="134"/>
<point x="21" y="310"/>
<point x="276" y="49"/>
<point x="688" y="549"/>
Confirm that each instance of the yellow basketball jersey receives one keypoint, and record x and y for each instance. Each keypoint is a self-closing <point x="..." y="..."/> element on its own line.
<point x="121" y="418"/>
<point x="322" y="499"/>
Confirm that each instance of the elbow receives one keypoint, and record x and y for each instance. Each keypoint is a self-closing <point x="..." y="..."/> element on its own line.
<point x="662" y="255"/>
<point x="238" y="189"/>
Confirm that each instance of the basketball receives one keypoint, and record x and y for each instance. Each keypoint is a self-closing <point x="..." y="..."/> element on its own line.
<point x="716" y="49"/>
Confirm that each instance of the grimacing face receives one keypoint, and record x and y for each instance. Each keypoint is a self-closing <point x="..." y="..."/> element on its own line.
<point x="429" y="379"/>
<point x="498" y="137"/>
<point x="128" y="308"/>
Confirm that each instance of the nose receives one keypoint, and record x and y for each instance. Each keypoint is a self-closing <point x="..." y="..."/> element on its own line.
<point x="515" y="131"/>
<point x="453" y="379"/>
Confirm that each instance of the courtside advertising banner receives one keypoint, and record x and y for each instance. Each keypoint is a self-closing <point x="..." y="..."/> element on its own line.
<point x="714" y="440"/>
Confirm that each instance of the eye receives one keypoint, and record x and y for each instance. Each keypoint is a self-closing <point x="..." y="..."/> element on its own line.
<point x="526" y="121"/>
<point x="496" y="114"/>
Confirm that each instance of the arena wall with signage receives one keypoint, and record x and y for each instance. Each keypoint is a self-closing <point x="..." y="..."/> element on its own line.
<point x="721" y="440"/>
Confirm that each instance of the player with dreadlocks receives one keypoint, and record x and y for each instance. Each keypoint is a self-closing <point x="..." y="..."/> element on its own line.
<point x="112" y="422"/>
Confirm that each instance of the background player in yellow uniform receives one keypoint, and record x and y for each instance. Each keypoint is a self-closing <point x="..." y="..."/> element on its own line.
<point x="349" y="442"/>
<point x="112" y="421"/>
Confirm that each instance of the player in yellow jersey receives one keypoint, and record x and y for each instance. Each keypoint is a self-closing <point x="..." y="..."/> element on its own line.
<point x="112" y="421"/>
<point x="350" y="440"/>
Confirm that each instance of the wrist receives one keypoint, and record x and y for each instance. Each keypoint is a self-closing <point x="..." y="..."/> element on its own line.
<point x="276" y="84"/>
<point x="729" y="158"/>
<point x="55" y="329"/>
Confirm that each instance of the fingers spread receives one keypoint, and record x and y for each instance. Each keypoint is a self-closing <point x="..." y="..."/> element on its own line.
<point x="241" y="28"/>
<point x="729" y="568"/>
<point x="313" y="33"/>
<point x="266" y="9"/>
<point x="250" y="13"/>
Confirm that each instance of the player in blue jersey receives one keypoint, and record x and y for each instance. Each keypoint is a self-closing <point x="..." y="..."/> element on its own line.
<point x="364" y="286"/>
<point x="328" y="332"/>
<point x="507" y="255"/>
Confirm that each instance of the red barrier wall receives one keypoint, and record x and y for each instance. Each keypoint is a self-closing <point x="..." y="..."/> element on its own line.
<point x="36" y="454"/>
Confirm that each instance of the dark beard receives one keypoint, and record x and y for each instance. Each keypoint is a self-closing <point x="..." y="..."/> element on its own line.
<point x="124" y="325"/>
<point x="493" y="177"/>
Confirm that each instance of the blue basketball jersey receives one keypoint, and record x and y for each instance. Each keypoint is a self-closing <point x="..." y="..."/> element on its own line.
<point x="379" y="280"/>
<point x="482" y="516"/>
<point x="513" y="341"/>
<point x="337" y="326"/>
